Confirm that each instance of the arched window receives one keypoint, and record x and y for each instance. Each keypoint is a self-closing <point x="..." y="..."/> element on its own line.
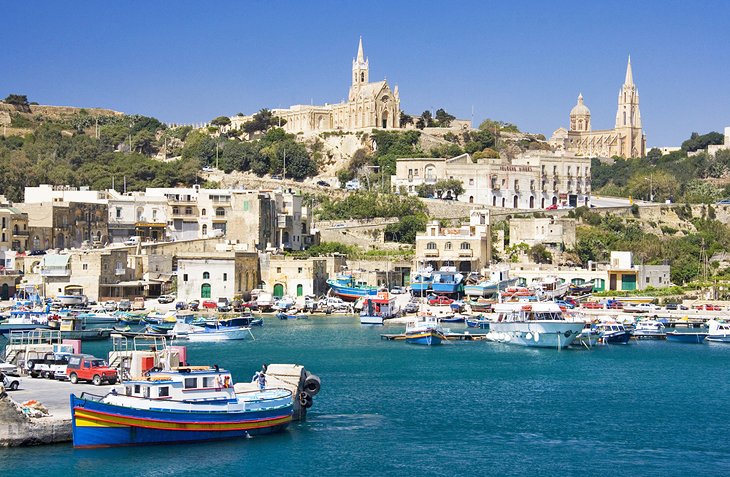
<point x="465" y="246"/>
<point x="203" y="212"/>
<point x="220" y="212"/>
<point x="431" y="246"/>
<point x="471" y="199"/>
<point x="206" y="275"/>
<point x="362" y="77"/>
<point x="447" y="246"/>
<point x="494" y="201"/>
<point x="205" y="230"/>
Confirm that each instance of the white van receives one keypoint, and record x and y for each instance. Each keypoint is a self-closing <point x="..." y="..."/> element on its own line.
<point x="354" y="184"/>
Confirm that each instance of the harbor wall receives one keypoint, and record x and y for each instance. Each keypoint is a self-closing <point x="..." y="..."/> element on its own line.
<point x="16" y="429"/>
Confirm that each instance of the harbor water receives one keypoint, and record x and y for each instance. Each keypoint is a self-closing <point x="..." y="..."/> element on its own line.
<point x="463" y="408"/>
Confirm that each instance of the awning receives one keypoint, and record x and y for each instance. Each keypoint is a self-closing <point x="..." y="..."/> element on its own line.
<point x="55" y="260"/>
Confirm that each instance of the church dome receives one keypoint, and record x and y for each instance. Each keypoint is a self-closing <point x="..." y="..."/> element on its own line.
<point x="580" y="109"/>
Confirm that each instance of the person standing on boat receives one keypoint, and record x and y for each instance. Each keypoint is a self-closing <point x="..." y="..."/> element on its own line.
<point x="262" y="380"/>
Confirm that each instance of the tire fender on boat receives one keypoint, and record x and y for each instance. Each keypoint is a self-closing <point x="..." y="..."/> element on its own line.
<point x="312" y="384"/>
<point x="303" y="397"/>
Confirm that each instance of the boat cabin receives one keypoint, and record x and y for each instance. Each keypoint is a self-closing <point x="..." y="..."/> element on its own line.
<point x="540" y="311"/>
<point x="190" y="384"/>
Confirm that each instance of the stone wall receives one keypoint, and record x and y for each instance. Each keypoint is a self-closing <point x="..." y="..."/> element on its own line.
<point x="16" y="429"/>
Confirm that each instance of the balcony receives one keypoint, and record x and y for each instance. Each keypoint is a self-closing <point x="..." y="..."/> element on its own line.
<point x="55" y="271"/>
<point x="466" y="253"/>
<point x="284" y="222"/>
<point x="431" y="253"/>
<point x="21" y="233"/>
<point x="120" y="271"/>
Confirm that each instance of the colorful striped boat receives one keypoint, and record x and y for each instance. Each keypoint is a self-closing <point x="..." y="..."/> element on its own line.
<point x="182" y="405"/>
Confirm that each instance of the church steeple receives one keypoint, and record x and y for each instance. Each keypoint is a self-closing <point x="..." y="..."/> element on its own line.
<point x="629" y="75"/>
<point x="628" y="118"/>
<point x="360" y="68"/>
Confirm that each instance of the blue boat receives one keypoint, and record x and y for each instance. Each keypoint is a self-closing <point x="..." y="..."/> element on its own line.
<point x="424" y="331"/>
<point x="498" y="280"/>
<point x="478" y="322"/>
<point x="347" y="288"/>
<point x="447" y="281"/>
<point x="235" y="322"/>
<point x="25" y="320"/>
<point x="183" y="405"/>
<point x="283" y="315"/>
<point x="612" y="333"/>
<point x="421" y="282"/>
<point x="690" y="337"/>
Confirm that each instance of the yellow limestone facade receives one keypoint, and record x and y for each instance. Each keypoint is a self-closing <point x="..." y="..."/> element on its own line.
<point x="369" y="105"/>
<point x="626" y="139"/>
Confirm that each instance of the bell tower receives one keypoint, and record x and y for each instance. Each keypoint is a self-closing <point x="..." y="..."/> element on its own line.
<point x="360" y="68"/>
<point x="628" y="118"/>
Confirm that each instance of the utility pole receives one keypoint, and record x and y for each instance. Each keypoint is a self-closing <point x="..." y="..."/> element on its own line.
<point x="284" y="175"/>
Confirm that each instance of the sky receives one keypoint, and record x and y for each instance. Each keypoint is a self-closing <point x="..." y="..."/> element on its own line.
<point x="522" y="62"/>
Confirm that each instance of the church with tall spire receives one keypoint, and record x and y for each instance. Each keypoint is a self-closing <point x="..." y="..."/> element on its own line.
<point x="369" y="105"/>
<point x="626" y="139"/>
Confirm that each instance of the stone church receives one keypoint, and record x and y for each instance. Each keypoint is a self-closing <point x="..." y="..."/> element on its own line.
<point x="369" y="105"/>
<point x="625" y="140"/>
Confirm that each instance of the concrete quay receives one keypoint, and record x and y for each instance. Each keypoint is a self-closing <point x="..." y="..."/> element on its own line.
<point x="17" y="429"/>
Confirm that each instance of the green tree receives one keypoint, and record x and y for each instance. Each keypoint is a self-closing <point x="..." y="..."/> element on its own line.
<point x="443" y="119"/>
<point x="456" y="187"/>
<point x="539" y="254"/>
<point x="200" y="146"/>
<point x="405" y="119"/>
<point x="221" y="121"/>
<point x="19" y="101"/>
<point x="406" y="229"/>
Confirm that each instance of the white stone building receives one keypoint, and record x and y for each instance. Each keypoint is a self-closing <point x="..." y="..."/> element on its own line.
<point x="468" y="248"/>
<point x="533" y="180"/>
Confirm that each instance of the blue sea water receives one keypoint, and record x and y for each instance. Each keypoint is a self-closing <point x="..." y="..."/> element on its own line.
<point x="471" y="408"/>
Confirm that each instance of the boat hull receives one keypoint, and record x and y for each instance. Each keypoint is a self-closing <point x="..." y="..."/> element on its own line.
<point x="6" y="328"/>
<point x="697" y="338"/>
<point x="371" y="320"/>
<point x="97" y="424"/>
<point x="718" y="338"/>
<point x="479" y="324"/>
<point x="621" y="337"/>
<point x="649" y="335"/>
<point x="426" y="338"/>
<point x="536" y="334"/>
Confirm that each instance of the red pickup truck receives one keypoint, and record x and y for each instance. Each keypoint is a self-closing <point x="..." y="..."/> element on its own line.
<point x="84" y="367"/>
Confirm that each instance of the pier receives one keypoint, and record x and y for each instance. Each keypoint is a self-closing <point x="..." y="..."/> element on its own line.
<point x="466" y="336"/>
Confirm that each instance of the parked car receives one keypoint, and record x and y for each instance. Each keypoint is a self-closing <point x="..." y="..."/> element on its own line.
<point x="708" y="307"/>
<point x="138" y="303"/>
<point x="49" y="366"/>
<point x="133" y="241"/>
<point x="411" y="307"/>
<point x="237" y="305"/>
<point x="397" y="291"/>
<point x="8" y="368"/>
<point x="194" y="305"/>
<point x="84" y="367"/>
<point x="10" y="384"/>
<point x="592" y="305"/>
<point x="552" y="207"/>
<point x="641" y="308"/>
<point x="110" y="305"/>
<point x="276" y="177"/>
<point x="323" y="184"/>
<point x="223" y="305"/>
<point x="440" y="300"/>
<point x="565" y="304"/>
<point x="209" y="304"/>
<point x="166" y="299"/>
<point x="181" y="305"/>
<point x="124" y="305"/>
<point x="354" y="184"/>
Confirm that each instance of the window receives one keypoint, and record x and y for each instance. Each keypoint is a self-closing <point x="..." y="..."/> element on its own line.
<point x="299" y="270"/>
<point x="245" y="206"/>
<point x="647" y="279"/>
<point x="206" y="275"/>
<point x="85" y="266"/>
<point x="220" y="212"/>
<point x="225" y="277"/>
<point x="191" y="383"/>
<point x="188" y="211"/>
<point x="146" y="391"/>
<point x="164" y="391"/>
<point x="175" y="211"/>
<point x="447" y="246"/>
<point x="205" y="229"/>
<point x="137" y="389"/>
<point x="278" y="269"/>
<point x="465" y="246"/>
<point x="471" y="182"/>
<point x="185" y="277"/>
<point x="203" y="212"/>
<point x="119" y="212"/>
<point x="431" y="246"/>
<point x="154" y="214"/>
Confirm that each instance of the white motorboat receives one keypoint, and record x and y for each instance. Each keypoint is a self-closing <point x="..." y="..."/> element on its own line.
<point x="190" y="332"/>
<point x="650" y="330"/>
<point x="550" y="288"/>
<point x="539" y="324"/>
<point x="719" y="332"/>
<point x="375" y="309"/>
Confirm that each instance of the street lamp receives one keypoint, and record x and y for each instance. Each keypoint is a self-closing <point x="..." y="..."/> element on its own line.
<point x="651" y="186"/>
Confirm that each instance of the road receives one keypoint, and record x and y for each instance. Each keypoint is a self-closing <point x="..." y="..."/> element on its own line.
<point x="54" y="395"/>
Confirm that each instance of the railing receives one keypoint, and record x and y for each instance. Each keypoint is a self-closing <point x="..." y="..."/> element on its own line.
<point x="55" y="272"/>
<point x="120" y="271"/>
<point x="431" y="253"/>
<point x="21" y="233"/>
